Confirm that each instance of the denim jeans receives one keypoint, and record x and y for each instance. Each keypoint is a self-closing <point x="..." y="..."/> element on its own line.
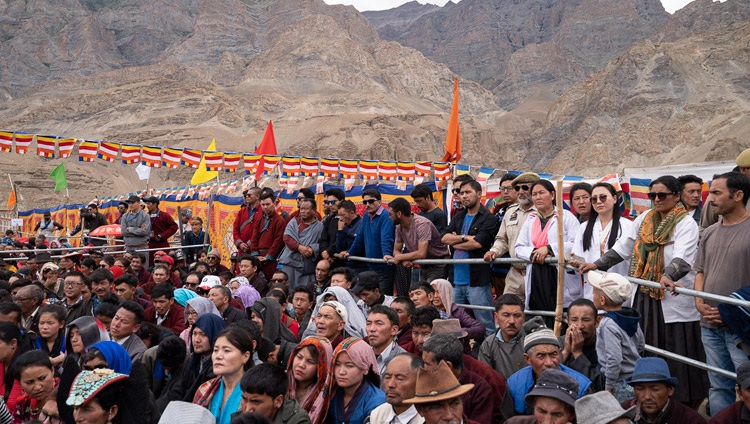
<point x="479" y="296"/>
<point x="721" y="352"/>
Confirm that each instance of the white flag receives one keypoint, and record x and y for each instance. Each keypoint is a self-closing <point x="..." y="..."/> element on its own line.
<point x="143" y="171"/>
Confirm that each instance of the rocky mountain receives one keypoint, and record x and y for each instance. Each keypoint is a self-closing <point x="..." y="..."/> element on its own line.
<point x="671" y="102"/>
<point x="522" y="49"/>
<point x="391" y="22"/>
<point x="180" y="72"/>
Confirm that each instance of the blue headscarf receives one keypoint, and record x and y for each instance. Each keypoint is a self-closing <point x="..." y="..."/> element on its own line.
<point x="211" y="324"/>
<point x="181" y="296"/>
<point x="117" y="357"/>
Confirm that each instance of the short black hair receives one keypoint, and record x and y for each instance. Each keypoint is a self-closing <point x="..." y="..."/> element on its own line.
<point x="348" y="272"/>
<point x="336" y="192"/>
<point x="410" y="307"/>
<point x="107" y="309"/>
<point x="265" y="379"/>
<point x="128" y="279"/>
<point x="7" y="308"/>
<point x="32" y="358"/>
<point x="424" y="315"/>
<point x="135" y="308"/>
<point x="400" y="204"/>
<point x="312" y="202"/>
<point x="388" y="312"/>
<point x="171" y="351"/>
<point x="508" y="177"/>
<point x="462" y="179"/>
<point x="508" y="299"/>
<point x="254" y="260"/>
<point x="304" y="289"/>
<point x="421" y="190"/>
<point x="445" y="347"/>
<point x="474" y="185"/>
<point x="348" y="206"/>
<point x="417" y="286"/>
<point x="581" y="186"/>
<point x="736" y="182"/>
<point x="309" y="194"/>
<point x="371" y="192"/>
<point x="165" y="290"/>
<point x="101" y="274"/>
<point x="88" y="262"/>
<point x="266" y="195"/>
<point x="687" y="179"/>
<point x="584" y="302"/>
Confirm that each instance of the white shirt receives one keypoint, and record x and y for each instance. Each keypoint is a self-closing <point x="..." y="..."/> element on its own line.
<point x="384" y="414"/>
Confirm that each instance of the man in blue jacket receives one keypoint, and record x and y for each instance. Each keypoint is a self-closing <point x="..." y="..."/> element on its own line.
<point x="375" y="239"/>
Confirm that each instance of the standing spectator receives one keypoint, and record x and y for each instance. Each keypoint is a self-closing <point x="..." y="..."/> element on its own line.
<point x="349" y="224"/>
<point x="122" y="207"/>
<point x="375" y="238"/>
<point x="457" y="204"/>
<point x="244" y="222"/>
<point x="163" y="226"/>
<point x="580" y="200"/>
<point x="268" y="241"/>
<point x="136" y="229"/>
<point x="691" y="194"/>
<point x="470" y="234"/>
<point x="303" y="194"/>
<point x="538" y="240"/>
<point x="91" y="219"/>
<point x="333" y="198"/>
<point x="193" y="239"/>
<point x="510" y="227"/>
<point x="301" y="238"/>
<point x="421" y="240"/>
<point x="422" y="195"/>
<point x="722" y="267"/>
<point x="46" y="226"/>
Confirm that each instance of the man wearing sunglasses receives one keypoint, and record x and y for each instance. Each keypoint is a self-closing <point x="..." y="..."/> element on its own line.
<point x="510" y="227"/>
<point x="457" y="204"/>
<point x="334" y="197"/>
<point x="244" y="222"/>
<point x="375" y="239"/>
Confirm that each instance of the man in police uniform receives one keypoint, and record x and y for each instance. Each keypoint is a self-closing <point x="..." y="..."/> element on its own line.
<point x="510" y="227"/>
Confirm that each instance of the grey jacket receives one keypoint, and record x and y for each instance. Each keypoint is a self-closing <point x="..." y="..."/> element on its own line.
<point x="135" y="227"/>
<point x="619" y="341"/>
<point x="291" y="413"/>
<point x="505" y="358"/>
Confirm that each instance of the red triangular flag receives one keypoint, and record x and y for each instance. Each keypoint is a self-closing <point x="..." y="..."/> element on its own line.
<point x="267" y="147"/>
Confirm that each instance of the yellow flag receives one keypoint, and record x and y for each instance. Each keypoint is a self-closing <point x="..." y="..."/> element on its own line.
<point x="201" y="175"/>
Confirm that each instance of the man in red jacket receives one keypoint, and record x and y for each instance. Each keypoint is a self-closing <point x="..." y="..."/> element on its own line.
<point x="163" y="226"/>
<point x="244" y="222"/>
<point x="268" y="235"/>
<point x="165" y="311"/>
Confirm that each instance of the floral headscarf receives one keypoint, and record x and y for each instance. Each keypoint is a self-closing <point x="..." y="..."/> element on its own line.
<point x="317" y="399"/>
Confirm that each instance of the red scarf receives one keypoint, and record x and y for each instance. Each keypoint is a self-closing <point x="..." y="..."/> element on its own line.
<point x="539" y="235"/>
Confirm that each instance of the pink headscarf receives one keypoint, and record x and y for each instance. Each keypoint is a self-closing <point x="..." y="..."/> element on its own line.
<point x="445" y="290"/>
<point x="361" y="354"/>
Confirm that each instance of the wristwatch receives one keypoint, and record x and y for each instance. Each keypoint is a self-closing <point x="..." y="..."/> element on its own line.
<point x="463" y="237"/>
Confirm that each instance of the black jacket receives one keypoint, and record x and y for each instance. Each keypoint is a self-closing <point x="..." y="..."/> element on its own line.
<point x="484" y="229"/>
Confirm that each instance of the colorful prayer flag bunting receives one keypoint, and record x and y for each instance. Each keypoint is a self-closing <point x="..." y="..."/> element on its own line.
<point x="191" y="158"/>
<point x="368" y="169"/>
<point x="231" y="161"/>
<point x="87" y="151"/>
<point x="462" y="169"/>
<point x="170" y="158"/>
<point x="65" y="146"/>
<point x="406" y="171"/>
<point x="151" y="156"/>
<point x="6" y="141"/>
<point x="309" y="167"/>
<point x="387" y="170"/>
<point x="442" y="171"/>
<point x="424" y="169"/>
<point x="130" y="153"/>
<point x="214" y="160"/>
<point x="45" y="145"/>
<point x="348" y="168"/>
<point x="23" y="141"/>
<point x="251" y="163"/>
<point x="290" y="166"/>
<point x="108" y="151"/>
<point x="330" y="168"/>
<point x="269" y="163"/>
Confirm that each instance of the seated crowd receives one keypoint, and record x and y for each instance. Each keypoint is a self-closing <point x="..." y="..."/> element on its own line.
<point x="294" y="328"/>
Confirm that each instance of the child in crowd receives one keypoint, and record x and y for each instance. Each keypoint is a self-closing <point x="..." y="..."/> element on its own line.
<point x="619" y="339"/>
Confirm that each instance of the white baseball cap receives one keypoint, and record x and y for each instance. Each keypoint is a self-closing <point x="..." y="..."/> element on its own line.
<point x="616" y="287"/>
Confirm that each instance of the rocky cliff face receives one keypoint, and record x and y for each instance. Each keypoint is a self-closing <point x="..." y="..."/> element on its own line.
<point x="517" y="48"/>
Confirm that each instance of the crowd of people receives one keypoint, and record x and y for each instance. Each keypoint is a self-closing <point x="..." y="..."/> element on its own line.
<point x="295" y="328"/>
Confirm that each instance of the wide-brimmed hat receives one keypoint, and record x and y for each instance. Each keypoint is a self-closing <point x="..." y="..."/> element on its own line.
<point x="450" y="326"/>
<point x="436" y="384"/>
<point x="555" y="384"/>
<point x="601" y="407"/>
<point x="89" y="383"/>
<point x="181" y="412"/>
<point x="651" y="370"/>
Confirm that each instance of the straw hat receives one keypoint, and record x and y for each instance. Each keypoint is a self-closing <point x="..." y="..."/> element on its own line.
<point x="437" y="384"/>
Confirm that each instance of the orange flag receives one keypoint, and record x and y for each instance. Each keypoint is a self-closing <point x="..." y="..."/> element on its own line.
<point x="12" y="198"/>
<point x="453" y="139"/>
<point x="267" y="147"/>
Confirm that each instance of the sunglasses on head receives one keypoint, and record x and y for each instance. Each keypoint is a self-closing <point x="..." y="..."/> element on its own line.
<point x="660" y="196"/>
<point x="369" y="201"/>
<point x="524" y="187"/>
<point x="599" y="199"/>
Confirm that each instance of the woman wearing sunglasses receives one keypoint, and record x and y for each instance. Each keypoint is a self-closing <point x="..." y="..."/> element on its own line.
<point x="600" y="232"/>
<point x="537" y="241"/>
<point x="661" y="246"/>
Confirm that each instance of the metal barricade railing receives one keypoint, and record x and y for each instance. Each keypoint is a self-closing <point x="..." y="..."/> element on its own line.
<point x="21" y="258"/>
<point x="553" y="262"/>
